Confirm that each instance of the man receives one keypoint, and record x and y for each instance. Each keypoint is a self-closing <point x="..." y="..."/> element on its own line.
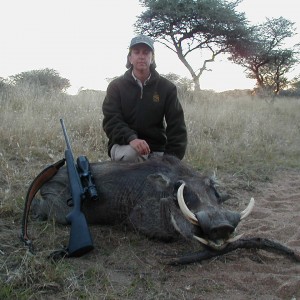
<point x="142" y="114"/>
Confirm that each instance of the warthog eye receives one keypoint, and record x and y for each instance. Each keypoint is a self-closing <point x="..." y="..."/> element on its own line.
<point x="218" y="196"/>
<point x="177" y="184"/>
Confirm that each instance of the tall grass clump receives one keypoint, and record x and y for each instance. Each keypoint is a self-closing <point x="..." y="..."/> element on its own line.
<point x="243" y="134"/>
<point x="31" y="136"/>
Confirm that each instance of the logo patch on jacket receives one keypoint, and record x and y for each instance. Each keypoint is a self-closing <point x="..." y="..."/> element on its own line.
<point x="155" y="97"/>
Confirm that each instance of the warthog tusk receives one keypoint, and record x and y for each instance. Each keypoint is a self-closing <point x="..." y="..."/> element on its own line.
<point x="184" y="209"/>
<point x="245" y="213"/>
<point x="201" y="240"/>
<point x="211" y="244"/>
<point x="215" y="245"/>
<point x="235" y="238"/>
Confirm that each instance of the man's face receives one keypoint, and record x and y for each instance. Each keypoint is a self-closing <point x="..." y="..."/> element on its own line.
<point x="141" y="57"/>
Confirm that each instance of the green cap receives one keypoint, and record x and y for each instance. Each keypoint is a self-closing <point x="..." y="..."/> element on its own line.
<point x="142" y="39"/>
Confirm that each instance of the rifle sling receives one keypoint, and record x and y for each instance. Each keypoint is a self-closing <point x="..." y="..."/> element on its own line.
<point x="36" y="184"/>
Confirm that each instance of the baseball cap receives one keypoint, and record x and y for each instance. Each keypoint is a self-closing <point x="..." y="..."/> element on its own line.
<point x="142" y="39"/>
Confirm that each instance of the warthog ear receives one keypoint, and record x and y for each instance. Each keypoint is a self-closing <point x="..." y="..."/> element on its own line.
<point x="214" y="184"/>
<point x="160" y="181"/>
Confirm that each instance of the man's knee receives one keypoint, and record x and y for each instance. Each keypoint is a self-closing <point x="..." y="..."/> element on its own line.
<point x="124" y="153"/>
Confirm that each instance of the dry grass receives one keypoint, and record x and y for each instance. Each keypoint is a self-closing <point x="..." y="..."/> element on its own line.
<point x="243" y="136"/>
<point x="246" y="135"/>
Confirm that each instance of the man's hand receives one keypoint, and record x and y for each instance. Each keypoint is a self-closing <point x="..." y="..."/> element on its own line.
<point x="140" y="146"/>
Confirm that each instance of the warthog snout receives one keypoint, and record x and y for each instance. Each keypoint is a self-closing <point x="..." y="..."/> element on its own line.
<point x="217" y="224"/>
<point x="221" y="231"/>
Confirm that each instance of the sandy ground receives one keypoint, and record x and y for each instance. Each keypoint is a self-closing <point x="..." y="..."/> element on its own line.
<point x="126" y="265"/>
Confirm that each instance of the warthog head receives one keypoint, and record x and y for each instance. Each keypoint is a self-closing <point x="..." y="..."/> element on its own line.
<point x="213" y="225"/>
<point x="161" y="197"/>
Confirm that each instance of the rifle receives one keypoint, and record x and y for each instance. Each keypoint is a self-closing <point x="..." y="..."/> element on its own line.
<point x="80" y="241"/>
<point x="82" y="186"/>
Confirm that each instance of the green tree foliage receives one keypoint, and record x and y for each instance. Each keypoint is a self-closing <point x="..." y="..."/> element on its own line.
<point x="264" y="57"/>
<point x="293" y="90"/>
<point x="276" y="71"/>
<point x="184" y="85"/>
<point x="295" y="85"/>
<point x="4" y="89"/>
<point x="47" y="81"/>
<point x="187" y="27"/>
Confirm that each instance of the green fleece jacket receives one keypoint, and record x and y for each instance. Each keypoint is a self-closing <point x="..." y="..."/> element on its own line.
<point x="152" y="113"/>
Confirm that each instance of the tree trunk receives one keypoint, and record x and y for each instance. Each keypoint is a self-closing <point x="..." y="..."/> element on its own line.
<point x="197" y="84"/>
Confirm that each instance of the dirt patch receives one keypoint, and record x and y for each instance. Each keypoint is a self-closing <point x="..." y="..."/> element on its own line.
<point x="127" y="265"/>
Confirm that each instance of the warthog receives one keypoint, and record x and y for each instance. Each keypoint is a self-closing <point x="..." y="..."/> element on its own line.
<point x="162" y="198"/>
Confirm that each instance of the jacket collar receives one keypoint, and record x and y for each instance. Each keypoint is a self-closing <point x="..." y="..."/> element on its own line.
<point x="128" y="75"/>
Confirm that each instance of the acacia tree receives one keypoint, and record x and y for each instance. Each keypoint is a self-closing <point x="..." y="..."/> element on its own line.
<point x="275" y="72"/>
<point x="264" y="57"/>
<point x="46" y="80"/>
<point x="186" y="26"/>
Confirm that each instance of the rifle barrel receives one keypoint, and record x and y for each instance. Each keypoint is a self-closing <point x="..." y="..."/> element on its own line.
<point x="65" y="134"/>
